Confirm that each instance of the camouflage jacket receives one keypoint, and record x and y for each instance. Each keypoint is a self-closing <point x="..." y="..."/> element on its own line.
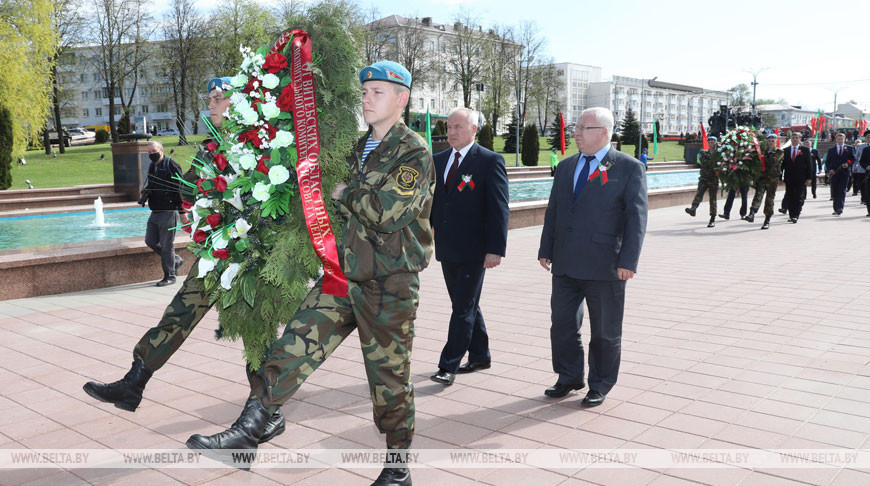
<point x="387" y="203"/>
<point x="773" y="165"/>
<point x="708" y="167"/>
<point x="191" y="175"/>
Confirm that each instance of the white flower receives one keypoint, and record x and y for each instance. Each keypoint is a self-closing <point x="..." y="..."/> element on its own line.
<point x="239" y="80"/>
<point x="228" y="275"/>
<point x="271" y="110"/>
<point x="236" y="200"/>
<point x="238" y="99"/>
<point x="270" y="81"/>
<point x="249" y="117"/>
<point x="282" y="139"/>
<point x="261" y="191"/>
<point x="278" y="174"/>
<point x="203" y="203"/>
<point x="248" y="161"/>
<point x="205" y="266"/>
<point x="220" y="242"/>
<point x="240" y="230"/>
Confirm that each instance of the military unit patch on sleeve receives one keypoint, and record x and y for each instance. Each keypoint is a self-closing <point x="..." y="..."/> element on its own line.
<point x="406" y="180"/>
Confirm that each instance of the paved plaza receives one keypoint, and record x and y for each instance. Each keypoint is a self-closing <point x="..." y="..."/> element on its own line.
<point x="734" y="338"/>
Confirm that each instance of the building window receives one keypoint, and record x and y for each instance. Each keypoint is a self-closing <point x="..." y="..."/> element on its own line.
<point x="96" y="76"/>
<point x="84" y="95"/>
<point x="82" y="78"/>
<point x="162" y="108"/>
<point x="85" y="113"/>
<point x="98" y="112"/>
<point x="144" y="109"/>
<point x="96" y="93"/>
<point x="431" y="45"/>
<point x="422" y="105"/>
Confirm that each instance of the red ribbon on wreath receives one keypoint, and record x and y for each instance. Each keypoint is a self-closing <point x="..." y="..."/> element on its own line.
<point x="760" y="155"/>
<point x="304" y="108"/>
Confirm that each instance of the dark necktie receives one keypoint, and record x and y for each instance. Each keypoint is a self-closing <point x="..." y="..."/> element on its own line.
<point x="451" y="174"/>
<point x="583" y="177"/>
<point x="794" y="152"/>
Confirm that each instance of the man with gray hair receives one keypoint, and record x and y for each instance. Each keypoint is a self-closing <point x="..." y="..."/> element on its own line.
<point x="593" y="234"/>
<point x="162" y="192"/>
<point x="469" y="216"/>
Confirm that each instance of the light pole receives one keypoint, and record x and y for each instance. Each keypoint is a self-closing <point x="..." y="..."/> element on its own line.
<point x="754" y="84"/>
<point x="643" y="84"/>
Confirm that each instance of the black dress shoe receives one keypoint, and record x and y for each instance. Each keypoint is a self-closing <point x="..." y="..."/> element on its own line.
<point x="166" y="281"/>
<point x="783" y="211"/>
<point x="471" y="367"/>
<point x="711" y="224"/>
<point x="559" y="390"/>
<point x="593" y="399"/>
<point x="125" y="393"/>
<point x="245" y="433"/>
<point x="178" y="264"/>
<point x="274" y="427"/>
<point x="724" y="216"/>
<point x="750" y="217"/>
<point x="690" y="211"/>
<point x="766" y="225"/>
<point x="792" y="220"/>
<point x="393" y="476"/>
<point x="444" y="377"/>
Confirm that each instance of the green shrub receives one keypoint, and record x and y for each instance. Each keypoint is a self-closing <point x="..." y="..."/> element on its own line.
<point x="5" y="148"/>
<point x="484" y="138"/>
<point x="530" y="145"/>
<point x="102" y="136"/>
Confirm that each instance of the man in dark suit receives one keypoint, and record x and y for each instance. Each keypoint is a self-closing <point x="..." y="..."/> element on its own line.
<point x="593" y="233"/>
<point x="838" y="163"/>
<point x="815" y="161"/>
<point x="864" y="162"/>
<point x="797" y="169"/>
<point x="470" y="218"/>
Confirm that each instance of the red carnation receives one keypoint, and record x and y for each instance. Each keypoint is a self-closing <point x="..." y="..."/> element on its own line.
<point x="200" y="236"/>
<point x="222" y="254"/>
<point x="199" y="186"/>
<point x="261" y="164"/>
<point x="220" y="161"/>
<point x="285" y="99"/>
<point x="220" y="184"/>
<point x="187" y="228"/>
<point x="250" y="86"/>
<point x="252" y="136"/>
<point x="213" y="220"/>
<point x="211" y="147"/>
<point x="275" y="62"/>
<point x="186" y="205"/>
<point x="270" y="131"/>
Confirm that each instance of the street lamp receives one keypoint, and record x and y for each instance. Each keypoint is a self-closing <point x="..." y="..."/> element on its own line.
<point x="643" y="84"/>
<point x="754" y="84"/>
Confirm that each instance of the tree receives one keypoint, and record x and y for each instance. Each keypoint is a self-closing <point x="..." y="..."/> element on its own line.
<point x="237" y="23"/>
<point x="741" y="97"/>
<point x="485" y="138"/>
<point x="6" y="146"/>
<point x="530" y="145"/>
<point x="184" y="52"/>
<point x="123" y="125"/>
<point x="644" y="144"/>
<point x="410" y="50"/>
<point x="501" y="53"/>
<point x="545" y="89"/>
<point x="440" y="128"/>
<point x="658" y="128"/>
<point x="68" y="25"/>
<point x="510" y="138"/>
<point x="465" y="50"/>
<point x="630" y="128"/>
<point x="27" y="46"/>
<point x="554" y="141"/>
<point x="371" y="35"/>
<point x="529" y="37"/>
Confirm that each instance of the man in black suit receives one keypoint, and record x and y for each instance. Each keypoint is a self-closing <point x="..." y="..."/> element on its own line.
<point x="815" y="161"/>
<point x="593" y="234"/>
<point x="470" y="219"/>
<point x="797" y="168"/>
<point x="864" y="162"/>
<point x="838" y="163"/>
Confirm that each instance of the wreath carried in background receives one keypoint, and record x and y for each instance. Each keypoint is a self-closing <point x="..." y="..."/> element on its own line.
<point x="738" y="158"/>
<point x="250" y="223"/>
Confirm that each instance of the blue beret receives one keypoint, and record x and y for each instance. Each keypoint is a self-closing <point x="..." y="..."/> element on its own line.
<point x="390" y="71"/>
<point x="711" y="138"/>
<point x="222" y="83"/>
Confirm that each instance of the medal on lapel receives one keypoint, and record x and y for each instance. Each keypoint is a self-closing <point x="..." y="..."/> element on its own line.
<point x="601" y="173"/>
<point x="466" y="181"/>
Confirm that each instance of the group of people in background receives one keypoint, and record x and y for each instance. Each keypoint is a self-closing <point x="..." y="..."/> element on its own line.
<point x="799" y="166"/>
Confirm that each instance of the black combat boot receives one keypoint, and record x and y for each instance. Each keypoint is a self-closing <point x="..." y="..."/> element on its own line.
<point x="712" y="222"/>
<point x="126" y="394"/>
<point x="724" y="216"/>
<point x="691" y="211"/>
<point x="244" y="434"/>
<point x="274" y="427"/>
<point x="750" y="217"/>
<point x="766" y="224"/>
<point x="394" y="476"/>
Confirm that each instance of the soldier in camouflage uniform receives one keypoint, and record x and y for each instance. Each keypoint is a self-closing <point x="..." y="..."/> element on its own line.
<point x="767" y="182"/>
<point x="708" y="181"/>
<point x="387" y="241"/>
<point x="181" y="316"/>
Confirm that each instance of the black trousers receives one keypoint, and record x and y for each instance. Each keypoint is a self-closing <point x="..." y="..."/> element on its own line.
<point x="858" y="184"/>
<point x="839" y="183"/>
<point x="729" y="202"/>
<point x="467" y="330"/>
<point x="160" y="238"/>
<point x="605" y="300"/>
<point x="795" y="194"/>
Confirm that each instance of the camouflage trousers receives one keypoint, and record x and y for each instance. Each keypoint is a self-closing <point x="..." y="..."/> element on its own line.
<point x="706" y="186"/>
<point x="181" y="316"/>
<point x="764" y="187"/>
<point x="383" y="312"/>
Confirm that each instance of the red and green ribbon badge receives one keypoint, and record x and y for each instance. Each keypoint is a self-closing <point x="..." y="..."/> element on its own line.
<point x="601" y="174"/>
<point x="466" y="180"/>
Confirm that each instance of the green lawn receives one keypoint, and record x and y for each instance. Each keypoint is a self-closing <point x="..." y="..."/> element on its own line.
<point x="667" y="151"/>
<point x="82" y="164"/>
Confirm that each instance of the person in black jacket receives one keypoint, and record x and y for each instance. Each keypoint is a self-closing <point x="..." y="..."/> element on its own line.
<point x="162" y="192"/>
<point x="865" y="163"/>
<point x="798" y="171"/>
<point x="838" y="163"/>
<point x="816" y="163"/>
<point x="470" y="219"/>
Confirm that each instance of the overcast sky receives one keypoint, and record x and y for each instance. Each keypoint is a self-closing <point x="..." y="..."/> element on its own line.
<point x="809" y="49"/>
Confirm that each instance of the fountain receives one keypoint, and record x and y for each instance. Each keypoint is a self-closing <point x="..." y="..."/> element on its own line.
<point x="98" y="208"/>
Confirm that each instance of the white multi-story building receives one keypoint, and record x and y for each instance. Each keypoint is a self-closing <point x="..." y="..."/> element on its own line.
<point x="86" y="100"/>
<point x="438" y="93"/>
<point x="574" y="82"/>
<point x="679" y="108"/>
<point x="854" y="111"/>
<point x="788" y="116"/>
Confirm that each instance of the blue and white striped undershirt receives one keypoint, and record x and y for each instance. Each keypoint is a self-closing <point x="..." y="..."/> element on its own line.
<point x="371" y="144"/>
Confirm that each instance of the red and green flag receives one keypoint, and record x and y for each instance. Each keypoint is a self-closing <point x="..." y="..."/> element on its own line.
<point x="655" y="138"/>
<point x="562" y="134"/>
<point x="428" y="129"/>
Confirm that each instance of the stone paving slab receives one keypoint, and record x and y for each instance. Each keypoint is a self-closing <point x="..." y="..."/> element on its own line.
<point x="734" y="338"/>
